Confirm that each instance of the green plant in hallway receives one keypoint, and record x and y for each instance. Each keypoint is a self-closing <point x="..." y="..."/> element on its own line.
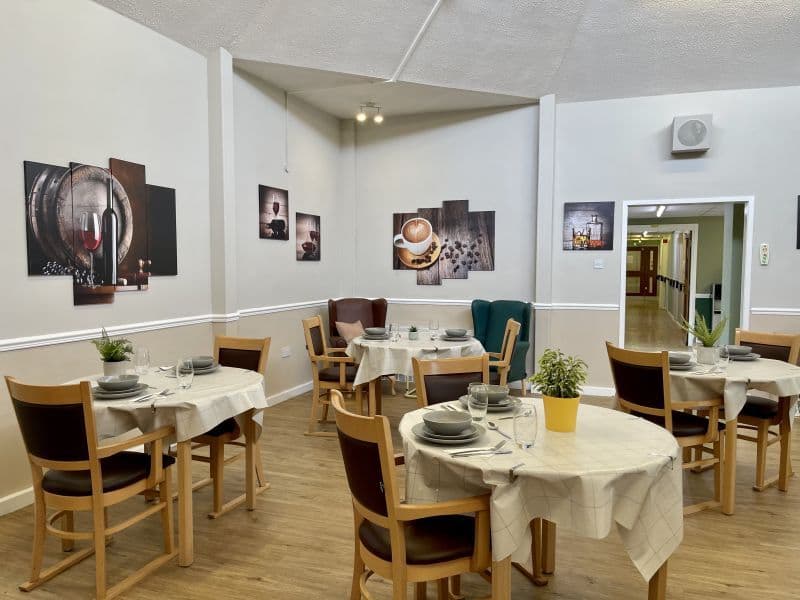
<point x="702" y="333"/>
<point x="559" y="378"/>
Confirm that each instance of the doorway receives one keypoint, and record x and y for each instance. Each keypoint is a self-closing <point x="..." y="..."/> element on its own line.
<point x="675" y="235"/>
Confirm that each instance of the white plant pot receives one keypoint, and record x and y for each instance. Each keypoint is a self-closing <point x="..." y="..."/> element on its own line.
<point x="413" y="335"/>
<point x="116" y="368"/>
<point x="706" y="355"/>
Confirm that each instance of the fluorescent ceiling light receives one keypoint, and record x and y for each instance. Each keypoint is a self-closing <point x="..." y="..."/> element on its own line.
<point x="660" y="211"/>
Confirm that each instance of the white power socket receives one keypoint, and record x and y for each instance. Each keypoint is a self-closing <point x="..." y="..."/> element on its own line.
<point x="286" y="352"/>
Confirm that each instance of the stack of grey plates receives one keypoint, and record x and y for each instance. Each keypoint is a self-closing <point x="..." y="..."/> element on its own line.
<point x="375" y="333"/>
<point x="739" y="353"/>
<point x="495" y="405"/>
<point x="204" y="364"/>
<point x="466" y="436"/>
<point x="118" y="387"/>
<point x="681" y="361"/>
<point x="455" y="335"/>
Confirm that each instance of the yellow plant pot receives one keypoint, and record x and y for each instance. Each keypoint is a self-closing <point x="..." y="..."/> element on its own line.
<point x="560" y="414"/>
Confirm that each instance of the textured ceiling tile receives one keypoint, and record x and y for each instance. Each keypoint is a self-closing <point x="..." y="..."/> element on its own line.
<point x="510" y="47"/>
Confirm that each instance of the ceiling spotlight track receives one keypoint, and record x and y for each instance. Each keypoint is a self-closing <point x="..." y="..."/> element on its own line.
<point x="367" y="110"/>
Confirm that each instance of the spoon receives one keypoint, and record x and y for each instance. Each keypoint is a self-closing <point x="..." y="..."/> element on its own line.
<point x="493" y="426"/>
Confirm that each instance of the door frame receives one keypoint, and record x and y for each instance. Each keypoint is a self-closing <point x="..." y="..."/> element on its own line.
<point x="670" y="227"/>
<point x="747" y="249"/>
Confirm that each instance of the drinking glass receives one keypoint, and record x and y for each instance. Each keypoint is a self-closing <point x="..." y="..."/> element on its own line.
<point x="394" y="331"/>
<point x="433" y="327"/>
<point x="723" y="358"/>
<point x="91" y="236"/>
<point x="184" y="373"/>
<point x="141" y="361"/>
<point x="478" y="401"/>
<point x="526" y="425"/>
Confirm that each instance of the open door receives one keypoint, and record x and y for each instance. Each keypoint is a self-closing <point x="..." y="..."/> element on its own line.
<point x="642" y="268"/>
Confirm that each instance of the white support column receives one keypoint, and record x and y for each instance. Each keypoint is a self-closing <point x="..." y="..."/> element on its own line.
<point x="224" y="300"/>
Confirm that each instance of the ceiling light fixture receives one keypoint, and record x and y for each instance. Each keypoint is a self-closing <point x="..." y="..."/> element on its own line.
<point x="644" y="233"/>
<point x="367" y="110"/>
<point x="660" y="210"/>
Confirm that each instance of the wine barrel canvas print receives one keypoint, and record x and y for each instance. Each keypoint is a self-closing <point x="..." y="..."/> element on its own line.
<point x="104" y="227"/>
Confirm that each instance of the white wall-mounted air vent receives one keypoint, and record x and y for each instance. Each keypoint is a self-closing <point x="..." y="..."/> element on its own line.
<point x="691" y="133"/>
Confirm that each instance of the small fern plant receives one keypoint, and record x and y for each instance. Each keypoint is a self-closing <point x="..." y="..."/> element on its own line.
<point x="700" y="330"/>
<point x="559" y="375"/>
<point x="112" y="349"/>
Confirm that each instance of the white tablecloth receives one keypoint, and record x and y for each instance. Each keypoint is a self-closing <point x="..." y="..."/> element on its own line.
<point x="616" y="469"/>
<point x="228" y="392"/>
<point x="773" y="377"/>
<point x="377" y="359"/>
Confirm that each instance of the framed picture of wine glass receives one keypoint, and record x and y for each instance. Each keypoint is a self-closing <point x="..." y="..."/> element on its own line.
<point x="273" y="213"/>
<point x="588" y="226"/>
<point x="308" y="236"/>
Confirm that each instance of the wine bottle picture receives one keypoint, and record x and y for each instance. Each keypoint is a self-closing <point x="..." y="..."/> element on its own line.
<point x="110" y="228"/>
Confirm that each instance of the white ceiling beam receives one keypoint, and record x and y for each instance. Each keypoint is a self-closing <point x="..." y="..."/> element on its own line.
<point x="416" y="42"/>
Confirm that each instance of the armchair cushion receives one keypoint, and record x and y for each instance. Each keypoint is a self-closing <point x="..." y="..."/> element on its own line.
<point x="349" y="330"/>
<point x="118" y="470"/>
<point x="371" y="313"/>
<point x="332" y="373"/>
<point x="430" y="540"/>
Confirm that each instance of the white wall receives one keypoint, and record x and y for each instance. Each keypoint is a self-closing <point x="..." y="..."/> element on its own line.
<point x="82" y="83"/>
<point x="487" y="156"/>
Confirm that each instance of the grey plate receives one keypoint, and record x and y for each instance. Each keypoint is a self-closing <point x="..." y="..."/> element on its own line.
<point x="206" y="371"/>
<point x="385" y="336"/>
<point x="118" y="383"/>
<point x="492" y="408"/>
<point x="460" y="436"/>
<point x="683" y="367"/>
<point x="445" y="338"/>
<point x="419" y="431"/>
<point x="105" y="395"/>
<point x="745" y="357"/>
<point x="737" y="350"/>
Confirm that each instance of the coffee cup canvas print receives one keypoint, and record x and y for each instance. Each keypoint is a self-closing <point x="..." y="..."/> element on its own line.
<point x="443" y="243"/>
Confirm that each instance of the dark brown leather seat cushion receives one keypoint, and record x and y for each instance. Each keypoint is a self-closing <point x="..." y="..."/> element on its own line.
<point x="428" y="541"/>
<point x="683" y="424"/>
<point x="332" y="373"/>
<point x="494" y="377"/>
<point x="118" y="471"/>
<point x="227" y="426"/>
<point x="760" y="407"/>
<point x="444" y="388"/>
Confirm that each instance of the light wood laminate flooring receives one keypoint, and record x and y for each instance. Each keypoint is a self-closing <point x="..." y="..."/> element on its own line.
<point x="647" y="327"/>
<point x="298" y="543"/>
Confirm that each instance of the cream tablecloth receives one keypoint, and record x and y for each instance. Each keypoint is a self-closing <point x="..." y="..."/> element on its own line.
<point x="615" y="470"/>
<point x="377" y="359"/>
<point x="228" y="392"/>
<point x="773" y="377"/>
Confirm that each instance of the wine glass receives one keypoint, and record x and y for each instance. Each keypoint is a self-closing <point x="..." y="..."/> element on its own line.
<point x="433" y="326"/>
<point x="91" y="236"/>
<point x="184" y="373"/>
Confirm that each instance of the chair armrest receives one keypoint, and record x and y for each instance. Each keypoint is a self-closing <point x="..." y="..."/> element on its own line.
<point x="498" y="363"/>
<point x="495" y="355"/>
<point x="146" y="438"/>
<point x="412" y="512"/>
<point x="334" y="359"/>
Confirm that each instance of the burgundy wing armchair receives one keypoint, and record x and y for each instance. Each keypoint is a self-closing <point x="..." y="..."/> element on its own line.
<point x="371" y="313"/>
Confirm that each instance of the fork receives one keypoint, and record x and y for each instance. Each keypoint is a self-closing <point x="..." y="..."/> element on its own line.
<point x="491" y="450"/>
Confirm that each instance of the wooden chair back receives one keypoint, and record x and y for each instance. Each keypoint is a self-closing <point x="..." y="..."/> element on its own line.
<point x="243" y="353"/>
<point x="509" y="342"/>
<point x="316" y="345"/>
<point x="446" y="379"/>
<point x="777" y="346"/>
<point x="57" y="425"/>
<point x="642" y="382"/>
<point x="368" y="456"/>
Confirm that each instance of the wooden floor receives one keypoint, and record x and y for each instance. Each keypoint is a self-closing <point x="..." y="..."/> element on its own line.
<point x="298" y="543"/>
<point x="648" y="327"/>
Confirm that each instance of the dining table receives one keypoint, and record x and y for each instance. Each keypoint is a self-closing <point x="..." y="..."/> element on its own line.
<point x="212" y="398"/>
<point x="730" y="385"/>
<point x="379" y="358"/>
<point x="615" y="470"/>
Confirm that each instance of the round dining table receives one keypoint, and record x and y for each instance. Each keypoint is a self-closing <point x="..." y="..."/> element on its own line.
<point x="730" y="386"/>
<point x="615" y="471"/>
<point x="379" y="358"/>
<point x="212" y="398"/>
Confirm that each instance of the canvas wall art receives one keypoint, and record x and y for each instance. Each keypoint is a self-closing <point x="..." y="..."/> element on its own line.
<point x="443" y="243"/>
<point x="273" y="213"/>
<point x="309" y="245"/>
<point x="106" y="228"/>
<point x="589" y="226"/>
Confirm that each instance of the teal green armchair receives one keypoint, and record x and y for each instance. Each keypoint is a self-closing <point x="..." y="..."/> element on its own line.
<point x="489" y="322"/>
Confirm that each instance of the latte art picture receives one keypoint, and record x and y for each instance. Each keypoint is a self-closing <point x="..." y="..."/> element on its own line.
<point x="443" y="243"/>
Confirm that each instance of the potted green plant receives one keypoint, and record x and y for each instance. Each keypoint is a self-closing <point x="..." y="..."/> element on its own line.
<point x="413" y="333"/>
<point x="114" y="352"/>
<point x="559" y="378"/>
<point x="707" y="351"/>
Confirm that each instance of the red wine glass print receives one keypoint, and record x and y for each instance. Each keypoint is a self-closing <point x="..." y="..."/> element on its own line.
<point x="91" y="237"/>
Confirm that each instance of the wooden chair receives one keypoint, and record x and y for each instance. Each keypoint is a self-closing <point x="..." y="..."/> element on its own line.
<point x="446" y="379"/>
<point x="58" y="429"/>
<point x="242" y="353"/>
<point x="330" y="370"/>
<point x="500" y="362"/>
<point x="641" y="380"/>
<point x="404" y="543"/>
<point x="761" y="414"/>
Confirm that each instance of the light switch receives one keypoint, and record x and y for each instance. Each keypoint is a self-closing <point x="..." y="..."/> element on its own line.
<point x="599" y="263"/>
<point x="286" y="352"/>
<point x="763" y="254"/>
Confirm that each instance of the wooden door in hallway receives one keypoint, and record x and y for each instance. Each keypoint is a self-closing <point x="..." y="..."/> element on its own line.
<point x="641" y="270"/>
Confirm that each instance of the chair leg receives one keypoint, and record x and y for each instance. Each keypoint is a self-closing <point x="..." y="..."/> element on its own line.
<point x="68" y="524"/>
<point x="442" y="589"/>
<point x="262" y="480"/>
<point x="548" y="547"/>
<point x="358" y="570"/>
<point x="165" y="495"/>
<point x="325" y="406"/>
<point x="399" y="588"/>
<point x="717" y="446"/>
<point x="39" y="532"/>
<point x="312" y="419"/>
<point x="785" y="464"/>
<point x="99" y="522"/>
<point x="359" y="400"/>
<point x="420" y="590"/>
<point x="762" y="439"/>
<point x="455" y="586"/>
<point x="217" y="466"/>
